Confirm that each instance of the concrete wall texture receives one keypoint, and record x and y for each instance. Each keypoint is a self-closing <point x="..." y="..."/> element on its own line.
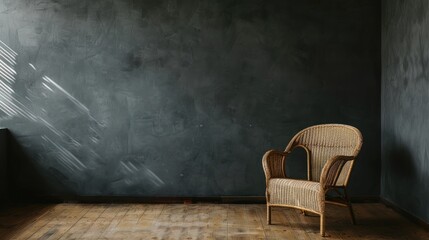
<point x="181" y="98"/>
<point x="405" y="105"/>
<point x="4" y="174"/>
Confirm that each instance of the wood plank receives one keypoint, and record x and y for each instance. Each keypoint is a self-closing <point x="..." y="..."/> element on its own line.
<point x="21" y="218"/>
<point x="56" y="225"/>
<point x="101" y="223"/>
<point x="29" y="230"/>
<point x="199" y="221"/>
<point x="111" y="229"/>
<point x="85" y="222"/>
<point x="279" y="227"/>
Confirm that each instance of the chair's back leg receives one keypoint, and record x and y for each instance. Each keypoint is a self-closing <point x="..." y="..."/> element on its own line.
<point x="349" y="205"/>
<point x="352" y="214"/>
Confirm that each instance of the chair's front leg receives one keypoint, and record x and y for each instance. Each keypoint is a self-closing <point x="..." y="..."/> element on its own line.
<point x="322" y="224"/>
<point x="268" y="214"/>
<point x="322" y="211"/>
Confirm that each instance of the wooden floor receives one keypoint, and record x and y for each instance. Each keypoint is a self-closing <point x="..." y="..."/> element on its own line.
<point x="198" y="221"/>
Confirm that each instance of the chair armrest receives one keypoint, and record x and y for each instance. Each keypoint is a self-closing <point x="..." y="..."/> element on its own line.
<point x="273" y="163"/>
<point x="332" y="170"/>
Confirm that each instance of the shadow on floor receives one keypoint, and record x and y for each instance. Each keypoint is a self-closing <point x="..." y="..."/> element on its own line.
<point x="16" y="218"/>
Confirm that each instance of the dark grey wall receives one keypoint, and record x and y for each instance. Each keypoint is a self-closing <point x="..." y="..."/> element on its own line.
<point x="405" y="105"/>
<point x="4" y="179"/>
<point x="182" y="98"/>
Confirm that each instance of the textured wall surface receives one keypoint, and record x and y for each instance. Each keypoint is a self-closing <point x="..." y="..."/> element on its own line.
<point x="4" y="193"/>
<point x="181" y="98"/>
<point x="405" y="105"/>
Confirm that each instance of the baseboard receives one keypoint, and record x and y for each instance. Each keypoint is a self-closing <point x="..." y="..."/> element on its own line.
<point x="405" y="213"/>
<point x="166" y="199"/>
<point x="244" y="199"/>
<point x="142" y="199"/>
<point x="365" y="199"/>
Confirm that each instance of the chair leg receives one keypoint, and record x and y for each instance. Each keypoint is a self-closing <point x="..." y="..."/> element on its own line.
<point x="268" y="214"/>
<point x="349" y="206"/>
<point x="322" y="225"/>
<point x="352" y="214"/>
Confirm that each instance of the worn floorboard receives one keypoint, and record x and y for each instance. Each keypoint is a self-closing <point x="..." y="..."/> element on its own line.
<point x="199" y="221"/>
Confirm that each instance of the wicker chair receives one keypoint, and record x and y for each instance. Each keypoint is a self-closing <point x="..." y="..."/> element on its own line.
<point x="331" y="151"/>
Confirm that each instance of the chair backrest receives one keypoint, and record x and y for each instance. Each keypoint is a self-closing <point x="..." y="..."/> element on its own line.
<point x="325" y="141"/>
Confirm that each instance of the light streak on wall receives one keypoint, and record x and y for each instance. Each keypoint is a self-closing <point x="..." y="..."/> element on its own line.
<point x="32" y="66"/>
<point x="68" y="159"/>
<point x="73" y="99"/>
<point x="142" y="171"/>
<point x="7" y="78"/>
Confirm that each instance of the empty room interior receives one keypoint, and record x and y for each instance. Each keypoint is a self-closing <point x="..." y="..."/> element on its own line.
<point x="214" y="119"/>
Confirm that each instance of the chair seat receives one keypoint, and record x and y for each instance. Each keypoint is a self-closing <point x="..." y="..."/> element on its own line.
<point x="294" y="193"/>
